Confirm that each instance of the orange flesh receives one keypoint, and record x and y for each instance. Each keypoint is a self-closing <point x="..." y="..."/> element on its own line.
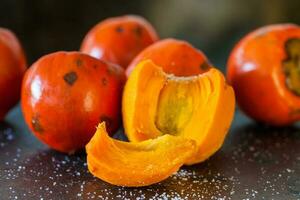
<point x="175" y="106"/>
<point x="136" y="164"/>
<point x="157" y="106"/>
<point x="196" y="107"/>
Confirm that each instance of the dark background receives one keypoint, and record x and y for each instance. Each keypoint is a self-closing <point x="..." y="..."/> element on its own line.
<point x="214" y="26"/>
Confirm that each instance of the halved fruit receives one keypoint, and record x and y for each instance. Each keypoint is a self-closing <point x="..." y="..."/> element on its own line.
<point x="197" y="107"/>
<point x="136" y="164"/>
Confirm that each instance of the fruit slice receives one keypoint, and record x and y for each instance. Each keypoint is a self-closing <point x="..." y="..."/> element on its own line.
<point x="136" y="164"/>
<point x="197" y="107"/>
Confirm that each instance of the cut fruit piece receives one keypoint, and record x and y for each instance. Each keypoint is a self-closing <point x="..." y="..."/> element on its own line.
<point x="263" y="69"/>
<point x="197" y="107"/>
<point x="136" y="164"/>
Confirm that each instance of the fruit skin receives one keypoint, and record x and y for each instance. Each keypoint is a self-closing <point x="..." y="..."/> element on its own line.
<point x="176" y="57"/>
<point x="12" y="68"/>
<point x="119" y="39"/>
<point x="136" y="164"/>
<point x="200" y="107"/>
<point x="66" y="94"/>
<point x="255" y="70"/>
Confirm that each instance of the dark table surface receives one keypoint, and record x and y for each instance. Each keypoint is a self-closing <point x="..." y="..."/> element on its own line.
<point x="256" y="162"/>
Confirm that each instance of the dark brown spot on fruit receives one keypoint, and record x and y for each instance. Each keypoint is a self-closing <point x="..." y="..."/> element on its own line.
<point x="70" y="78"/>
<point x="291" y="65"/>
<point x="36" y="125"/>
<point x="119" y="29"/>
<point x="138" y="30"/>
<point x="79" y="62"/>
<point x="107" y="120"/>
<point x="104" y="81"/>
<point x="204" y="66"/>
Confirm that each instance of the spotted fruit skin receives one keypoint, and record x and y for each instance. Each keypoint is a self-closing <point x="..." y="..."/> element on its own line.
<point x="66" y="94"/>
<point x="257" y="71"/>
<point x="175" y="56"/>
<point x="119" y="39"/>
<point x="12" y="68"/>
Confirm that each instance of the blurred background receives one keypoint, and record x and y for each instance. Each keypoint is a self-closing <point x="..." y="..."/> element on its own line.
<point x="214" y="26"/>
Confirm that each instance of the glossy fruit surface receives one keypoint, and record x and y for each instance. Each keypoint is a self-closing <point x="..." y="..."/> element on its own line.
<point x="264" y="69"/>
<point x="175" y="57"/>
<point x="119" y="39"/>
<point x="66" y="94"/>
<point x="12" y="68"/>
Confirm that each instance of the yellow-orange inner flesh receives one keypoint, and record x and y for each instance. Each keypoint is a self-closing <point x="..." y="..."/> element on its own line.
<point x="136" y="164"/>
<point x="196" y="107"/>
<point x="175" y="105"/>
<point x="156" y="106"/>
<point x="292" y="65"/>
